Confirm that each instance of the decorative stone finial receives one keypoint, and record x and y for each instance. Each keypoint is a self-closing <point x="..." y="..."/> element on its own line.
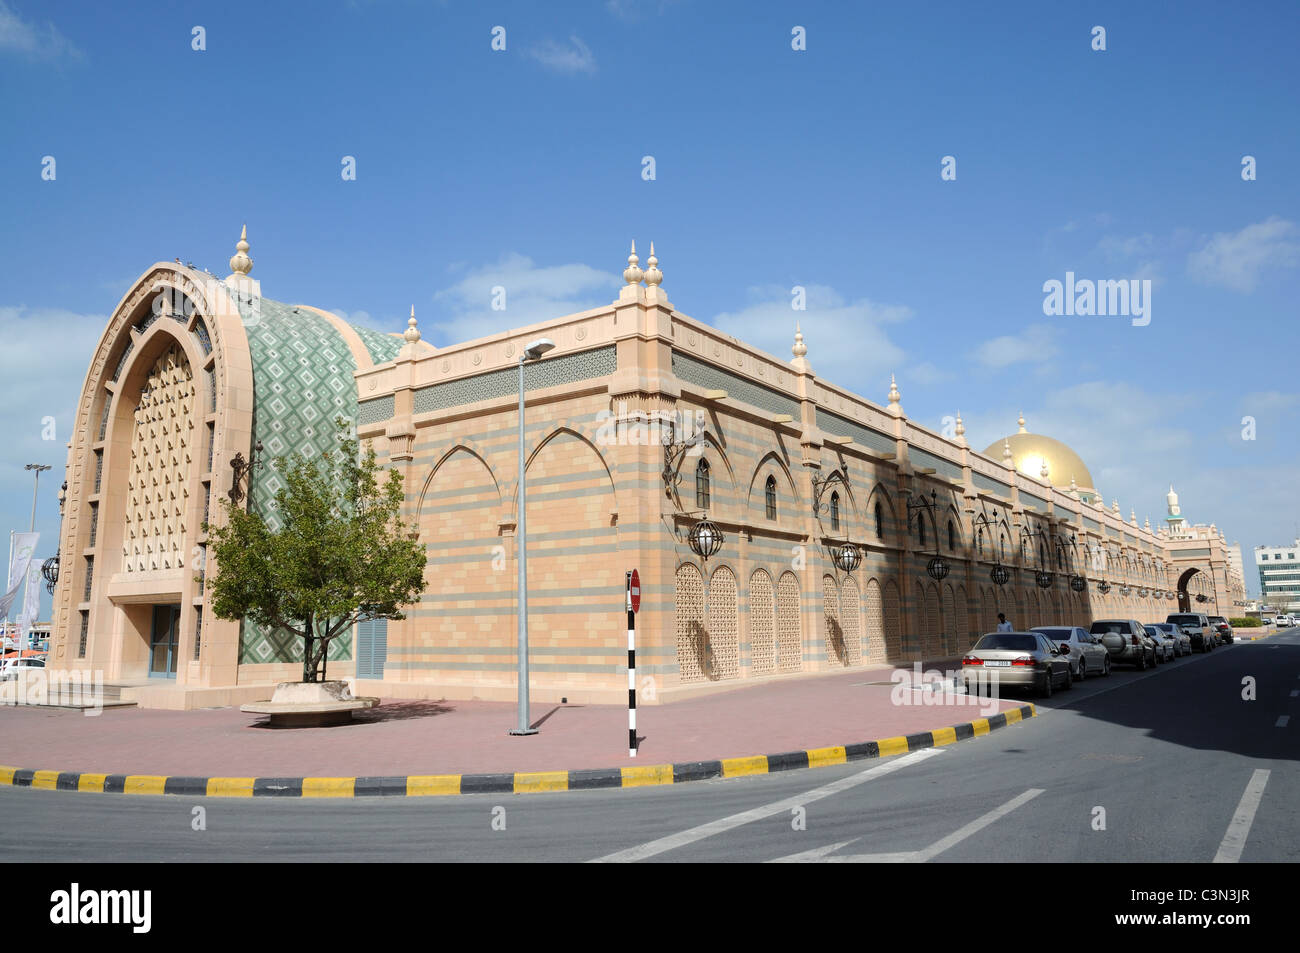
<point x="1043" y="471"/>
<point x="961" y="427"/>
<point x="1022" y="422"/>
<point x="799" y="349"/>
<point x="1114" y="505"/>
<point x="652" y="274"/>
<point x="633" y="274"/>
<point x="1133" y="515"/>
<point x="894" y="395"/>
<point x="412" y="333"/>
<point x="1146" y="524"/>
<point x="1007" y="457"/>
<point x="240" y="263"/>
<point x="1074" y="487"/>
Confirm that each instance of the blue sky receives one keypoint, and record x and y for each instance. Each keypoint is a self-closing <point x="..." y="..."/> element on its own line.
<point x="774" y="168"/>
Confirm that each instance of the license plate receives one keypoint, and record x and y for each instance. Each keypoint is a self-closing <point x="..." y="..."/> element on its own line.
<point x="998" y="664"/>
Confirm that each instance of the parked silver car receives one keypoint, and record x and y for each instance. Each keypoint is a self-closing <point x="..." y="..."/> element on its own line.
<point x="1182" y="641"/>
<point x="1197" y="625"/>
<point x="1164" y="643"/>
<point x="1016" y="660"/>
<point x="1127" y="642"/>
<point x="1087" y="655"/>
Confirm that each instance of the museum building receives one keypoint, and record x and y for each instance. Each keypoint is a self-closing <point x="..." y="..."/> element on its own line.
<point x="782" y="526"/>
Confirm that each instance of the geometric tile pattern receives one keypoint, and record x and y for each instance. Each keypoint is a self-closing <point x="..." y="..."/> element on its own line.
<point x="866" y="436"/>
<point x="157" y="487"/>
<point x="691" y="634"/>
<point x="789" y="650"/>
<point x="762" y="612"/>
<point x="553" y="372"/>
<point x="723" y="637"/>
<point x="703" y="374"/>
<point x="302" y="380"/>
<point x="383" y="347"/>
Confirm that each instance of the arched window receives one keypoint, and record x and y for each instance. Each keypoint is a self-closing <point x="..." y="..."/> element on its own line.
<point x="952" y="538"/>
<point x="920" y="529"/>
<point x="770" y="496"/>
<point x="880" y="522"/>
<point x="702" y="484"/>
<point x="835" y="512"/>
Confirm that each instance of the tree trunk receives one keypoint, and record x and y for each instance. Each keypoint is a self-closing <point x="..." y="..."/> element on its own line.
<point x="308" y="663"/>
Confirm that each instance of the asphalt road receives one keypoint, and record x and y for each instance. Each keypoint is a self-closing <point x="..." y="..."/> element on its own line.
<point x="1170" y="765"/>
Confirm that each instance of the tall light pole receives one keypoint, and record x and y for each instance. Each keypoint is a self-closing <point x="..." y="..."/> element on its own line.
<point x="37" y="468"/>
<point x="530" y="353"/>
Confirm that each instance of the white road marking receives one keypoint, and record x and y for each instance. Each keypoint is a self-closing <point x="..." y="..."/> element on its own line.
<point x="1282" y="721"/>
<point x="978" y="824"/>
<point x="827" y="855"/>
<point x="674" y="841"/>
<point x="1234" y="841"/>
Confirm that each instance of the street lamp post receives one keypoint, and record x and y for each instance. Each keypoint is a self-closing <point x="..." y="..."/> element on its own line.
<point x="530" y="353"/>
<point x="38" y="469"/>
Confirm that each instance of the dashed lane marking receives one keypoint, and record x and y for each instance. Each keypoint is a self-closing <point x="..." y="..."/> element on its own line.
<point x="673" y="841"/>
<point x="1234" y="841"/>
<point x="828" y="855"/>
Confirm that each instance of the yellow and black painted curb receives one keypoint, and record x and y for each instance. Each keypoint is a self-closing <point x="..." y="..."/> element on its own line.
<point x="520" y="782"/>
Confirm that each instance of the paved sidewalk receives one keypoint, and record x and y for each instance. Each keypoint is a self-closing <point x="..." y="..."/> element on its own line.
<point x="462" y="737"/>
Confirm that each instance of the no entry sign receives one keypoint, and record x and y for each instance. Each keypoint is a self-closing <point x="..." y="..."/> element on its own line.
<point x="634" y="590"/>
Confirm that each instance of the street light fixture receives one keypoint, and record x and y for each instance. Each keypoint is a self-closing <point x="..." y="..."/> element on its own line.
<point x="531" y="353"/>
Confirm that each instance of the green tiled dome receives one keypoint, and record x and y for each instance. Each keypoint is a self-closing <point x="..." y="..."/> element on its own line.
<point x="302" y="381"/>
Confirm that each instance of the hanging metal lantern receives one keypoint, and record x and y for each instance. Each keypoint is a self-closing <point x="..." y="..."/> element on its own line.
<point x="937" y="567"/>
<point x="1124" y="590"/>
<point x="1201" y="597"/>
<point x="1103" y="587"/>
<point x="847" y="557"/>
<point x="50" y="570"/>
<point x="1078" y="583"/>
<point x="1044" y="579"/>
<point x="999" y="575"/>
<point x="1143" y="593"/>
<point x="705" y="538"/>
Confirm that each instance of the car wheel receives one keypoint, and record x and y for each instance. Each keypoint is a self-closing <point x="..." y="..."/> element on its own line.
<point x="1083" y="668"/>
<point x="1069" y="679"/>
<point x="1105" y="667"/>
<point x="1142" y="662"/>
<point x="1047" y="684"/>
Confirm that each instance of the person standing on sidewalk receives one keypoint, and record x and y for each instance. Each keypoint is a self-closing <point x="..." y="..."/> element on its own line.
<point x="1003" y="624"/>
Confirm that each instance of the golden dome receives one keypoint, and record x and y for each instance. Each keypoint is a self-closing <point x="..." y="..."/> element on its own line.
<point x="1031" y="450"/>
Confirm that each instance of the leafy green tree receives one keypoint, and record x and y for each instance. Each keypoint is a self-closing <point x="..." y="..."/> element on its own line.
<point x="342" y="552"/>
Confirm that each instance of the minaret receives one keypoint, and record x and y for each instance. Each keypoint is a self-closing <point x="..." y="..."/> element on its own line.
<point x="1175" y="518"/>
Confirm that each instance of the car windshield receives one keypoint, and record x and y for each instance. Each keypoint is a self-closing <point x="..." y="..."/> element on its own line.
<point x="1153" y="631"/>
<point x="1009" y="641"/>
<point x="1109" y="627"/>
<point x="1061" y="635"/>
<point x="1184" y="619"/>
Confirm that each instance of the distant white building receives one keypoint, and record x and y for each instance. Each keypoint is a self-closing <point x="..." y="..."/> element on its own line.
<point x="1279" y="576"/>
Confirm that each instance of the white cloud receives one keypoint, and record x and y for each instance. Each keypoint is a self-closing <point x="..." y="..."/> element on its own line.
<point x="1237" y="259"/>
<point x="42" y="367"/>
<point x="532" y="294"/>
<point x="31" y="40"/>
<point x="846" y="340"/>
<point x="1038" y="342"/>
<point x="576" y="57"/>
